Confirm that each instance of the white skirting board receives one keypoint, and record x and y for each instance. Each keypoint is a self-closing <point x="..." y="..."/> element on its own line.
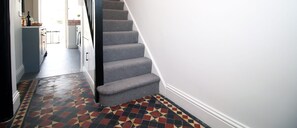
<point x="20" y="72"/>
<point x="202" y="111"/>
<point x="89" y="79"/>
<point x="16" y="101"/>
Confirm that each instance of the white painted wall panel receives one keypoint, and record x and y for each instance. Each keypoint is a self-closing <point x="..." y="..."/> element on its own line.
<point x="88" y="49"/>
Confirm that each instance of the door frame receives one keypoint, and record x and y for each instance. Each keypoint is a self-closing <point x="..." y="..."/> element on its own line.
<point x="5" y="52"/>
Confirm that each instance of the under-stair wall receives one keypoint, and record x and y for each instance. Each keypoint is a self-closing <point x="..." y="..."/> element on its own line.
<point x="230" y="63"/>
<point x="88" y="50"/>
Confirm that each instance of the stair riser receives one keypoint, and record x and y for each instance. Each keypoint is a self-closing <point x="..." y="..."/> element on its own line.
<point x="112" y="38"/>
<point x="129" y="95"/>
<point x="113" y="25"/>
<point x="121" y="53"/>
<point x="126" y="71"/>
<point x="115" y="15"/>
<point x="113" y="5"/>
<point x="111" y="0"/>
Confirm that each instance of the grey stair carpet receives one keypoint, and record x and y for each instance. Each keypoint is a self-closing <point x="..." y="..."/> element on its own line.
<point x="113" y="5"/>
<point x="117" y="70"/>
<point x="127" y="73"/>
<point x="117" y="25"/>
<point x="111" y="0"/>
<point x="120" y="37"/>
<point x="128" y="89"/>
<point x="110" y="14"/>
<point x="121" y="52"/>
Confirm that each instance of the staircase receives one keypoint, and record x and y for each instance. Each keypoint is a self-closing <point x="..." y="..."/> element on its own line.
<point x="127" y="73"/>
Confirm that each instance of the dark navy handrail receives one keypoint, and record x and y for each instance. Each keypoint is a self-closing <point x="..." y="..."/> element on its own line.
<point x="95" y="22"/>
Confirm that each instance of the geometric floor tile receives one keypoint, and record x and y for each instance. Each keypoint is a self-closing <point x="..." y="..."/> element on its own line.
<point x="67" y="101"/>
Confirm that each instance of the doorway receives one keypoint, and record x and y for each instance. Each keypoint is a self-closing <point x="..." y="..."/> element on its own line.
<point x="63" y="54"/>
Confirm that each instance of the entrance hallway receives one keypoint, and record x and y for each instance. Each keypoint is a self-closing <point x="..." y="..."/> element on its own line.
<point x="59" y="60"/>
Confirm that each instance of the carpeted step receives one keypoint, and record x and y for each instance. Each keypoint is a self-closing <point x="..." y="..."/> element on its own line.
<point x="117" y="5"/>
<point x="125" y="90"/>
<point x="117" y="70"/>
<point x="110" y="14"/>
<point x="121" y="52"/>
<point x="117" y="25"/>
<point x="120" y="37"/>
<point x="127" y="73"/>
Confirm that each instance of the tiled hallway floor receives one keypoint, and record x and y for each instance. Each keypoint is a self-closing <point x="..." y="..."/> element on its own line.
<point x="67" y="101"/>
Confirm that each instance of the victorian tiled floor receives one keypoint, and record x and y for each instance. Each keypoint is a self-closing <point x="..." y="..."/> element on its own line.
<point x="67" y="101"/>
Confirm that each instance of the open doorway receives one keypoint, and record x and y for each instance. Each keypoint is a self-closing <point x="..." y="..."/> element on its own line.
<point x="61" y="19"/>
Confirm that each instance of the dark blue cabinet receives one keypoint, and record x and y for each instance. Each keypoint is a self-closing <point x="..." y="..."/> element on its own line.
<point x="34" y="48"/>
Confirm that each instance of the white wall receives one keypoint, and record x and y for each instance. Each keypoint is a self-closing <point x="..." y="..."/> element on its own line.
<point x="17" y="38"/>
<point x="33" y="6"/>
<point x="36" y="10"/>
<point x="28" y="7"/>
<point x="236" y="57"/>
<point x="16" y="49"/>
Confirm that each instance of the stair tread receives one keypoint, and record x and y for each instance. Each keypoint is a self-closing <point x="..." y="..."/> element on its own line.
<point x="117" y="25"/>
<point x="117" y="5"/>
<point x="122" y="51"/>
<point x="122" y="63"/>
<point x="110" y="20"/>
<point x="114" y="10"/>
<point x="120" y="32"/>
<point x="127" y="84"/>
<point x="122" y="45"/>
<point x="120" y="37"/>
<point x="115" y="14"/>
<point x="121" y="69"/>
<point x="111" y="1"/>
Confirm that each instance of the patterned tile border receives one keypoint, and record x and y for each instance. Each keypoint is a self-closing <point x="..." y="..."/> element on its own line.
<point x="22" y="111"/>
<point x="181" y="112"/>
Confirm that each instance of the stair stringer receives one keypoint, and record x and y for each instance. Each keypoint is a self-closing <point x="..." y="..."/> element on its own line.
<point x="147" y="51"/>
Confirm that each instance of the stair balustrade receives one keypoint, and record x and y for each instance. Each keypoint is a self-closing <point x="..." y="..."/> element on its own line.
<point x="94" y="13"/>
